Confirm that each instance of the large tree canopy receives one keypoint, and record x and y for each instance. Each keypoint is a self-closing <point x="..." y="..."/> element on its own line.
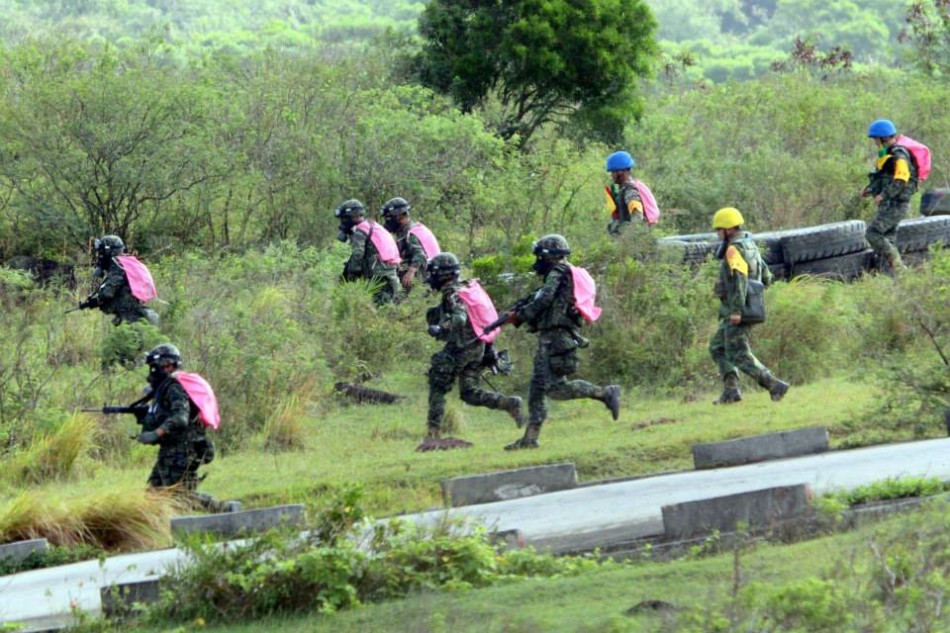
<point x="543" y="60"/>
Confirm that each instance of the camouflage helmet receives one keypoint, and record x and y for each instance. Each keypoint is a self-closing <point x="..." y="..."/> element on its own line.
<point x="395" y="206"/>
<point x="350" y="208"/>
<point x="552" y="246"/>
<point x="164" y="354"/>
<point x="444" y="265"/>
<point x="109" y="245"/>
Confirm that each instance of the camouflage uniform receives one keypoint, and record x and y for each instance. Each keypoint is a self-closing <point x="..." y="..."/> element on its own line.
<point x="895" y="179"/>
<point x="627" y="205"/>
<point x="461" y="358"/>
<point x="114" y="297"/>
<point x="729" y="346"/>
<point x="183" y="447"/>
<point x="364" y="263"/>
<point x="410" y="249"/>
<point x="551" y="313"/>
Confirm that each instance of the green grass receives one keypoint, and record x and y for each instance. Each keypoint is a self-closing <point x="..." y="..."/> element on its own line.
<point x="599" y="600"/>
<point x="373" y="446"/>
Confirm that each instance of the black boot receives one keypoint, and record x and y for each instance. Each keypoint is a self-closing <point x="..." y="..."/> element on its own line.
<point x="514" y="406"/>
<point x="612" y="400"/>
<point x="528" y="440"/>
<point x="729" y="396"/>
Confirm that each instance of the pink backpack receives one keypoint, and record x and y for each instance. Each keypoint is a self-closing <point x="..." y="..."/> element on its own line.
<point x="382" y="240"/>
<point x="429" y="244"/>
<point x="651" y="212"/>
<point x="139" y="278"/>
<point x="585" y="292"/>
<point x="481" y="310"/>
<point x="202" y="395"/>
<point x="921" y="154"/>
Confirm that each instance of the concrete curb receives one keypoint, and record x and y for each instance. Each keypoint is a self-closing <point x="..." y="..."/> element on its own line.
<point x="238" y="523"/>
<point x="748" y="450"/>
<point x="756" y="509"/>
<point x="508" y="484"/>
<point x="18" y="551"/>
<point x="120" y="600"/>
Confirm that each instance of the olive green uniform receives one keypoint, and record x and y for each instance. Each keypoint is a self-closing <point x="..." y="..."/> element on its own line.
<point x="551" y="313"/>
<point x="628" y="204"/>
<point x="114" y="297"/>
<point x="364" y="263"/>
<point x="184" y="445"/>
<point x="895" y="179"/>
<point x="460" y="358"/>
<point x="730" y="347"/>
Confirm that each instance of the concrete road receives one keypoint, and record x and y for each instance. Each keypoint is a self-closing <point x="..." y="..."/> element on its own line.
<point x="572" y="519"/>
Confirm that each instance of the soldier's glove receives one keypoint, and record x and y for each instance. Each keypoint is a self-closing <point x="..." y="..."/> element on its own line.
<point x="148" y="437"/>
<point x="434" y="330"/>
<point x="88" y="304"/>
<point x="514" y="318"/>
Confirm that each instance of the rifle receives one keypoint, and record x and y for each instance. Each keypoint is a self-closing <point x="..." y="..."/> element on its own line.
<point x="139" y="409"/>
<point x="506" y="315"/>
<point x="91" y="302"/>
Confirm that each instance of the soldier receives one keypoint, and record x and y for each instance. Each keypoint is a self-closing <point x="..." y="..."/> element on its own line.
<point x="457" y="321"/>
<point x="623" y="198"/>
<point x="553" y="313"/>
<point x="729" y="346"/>
<point x="892" y="183"/>
<point x="116" y="294"/>
<point x="417" y="244"/>
<point x="374" y="253"/>
<point x="173" y="423"/>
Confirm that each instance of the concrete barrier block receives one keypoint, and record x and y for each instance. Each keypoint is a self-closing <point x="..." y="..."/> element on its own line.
<point x="509" y="484"/>
<point x="119" y="600"/>
<point x="747" y="450"/>
<point x="757" y="509"/>
<point x="237" y="523"/>
<point x="18" y="551"/>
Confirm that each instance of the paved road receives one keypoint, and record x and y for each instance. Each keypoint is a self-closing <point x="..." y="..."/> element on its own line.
<point x="612" y="512"/>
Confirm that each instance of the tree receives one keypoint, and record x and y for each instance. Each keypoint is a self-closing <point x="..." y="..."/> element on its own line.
<point x="568" y="61"/>
<point x="929" y="22"/>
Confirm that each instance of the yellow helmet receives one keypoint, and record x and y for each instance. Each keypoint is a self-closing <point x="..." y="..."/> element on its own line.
<point x="727" y="218"/>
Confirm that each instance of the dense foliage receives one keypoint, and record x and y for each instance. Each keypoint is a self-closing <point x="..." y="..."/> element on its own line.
<point x="578" y="63"/>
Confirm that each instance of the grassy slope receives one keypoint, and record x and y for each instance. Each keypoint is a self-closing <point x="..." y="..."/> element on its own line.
<point x="373" y="446"/>
<point x="596" y="601"/>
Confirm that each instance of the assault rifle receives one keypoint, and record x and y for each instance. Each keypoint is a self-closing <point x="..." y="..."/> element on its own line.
<point x="139" y="409"/>
<point x="91" y="302"/>
<point x="506" y="315"/>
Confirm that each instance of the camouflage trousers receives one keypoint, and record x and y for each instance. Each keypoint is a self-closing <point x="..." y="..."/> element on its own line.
<point x="391" y="289"/>
<point x="555" y="360"/>
<point x="730" y="349"/>
<point x="881" y="233"/>
<point x="466" y="365"/>
<point x="177" y="470"/>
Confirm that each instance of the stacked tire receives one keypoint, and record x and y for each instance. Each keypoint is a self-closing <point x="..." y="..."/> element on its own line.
<point x="836" y="251"/>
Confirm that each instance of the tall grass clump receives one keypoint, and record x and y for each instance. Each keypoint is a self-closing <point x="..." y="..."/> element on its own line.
<point x="119" y="520"/>
<point x="55" y="456"/>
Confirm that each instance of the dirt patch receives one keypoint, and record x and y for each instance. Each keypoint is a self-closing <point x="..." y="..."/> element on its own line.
<point x="639" y="426"/>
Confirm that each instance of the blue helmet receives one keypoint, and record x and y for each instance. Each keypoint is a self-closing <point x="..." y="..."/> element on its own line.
<point x="620" y="160"/>
<point x="882" y="128"/>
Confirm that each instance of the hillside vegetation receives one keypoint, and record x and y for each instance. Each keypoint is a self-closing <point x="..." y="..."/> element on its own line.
<point x="218" y="143"/>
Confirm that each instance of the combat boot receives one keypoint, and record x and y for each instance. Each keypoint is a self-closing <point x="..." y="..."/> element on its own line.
<point x="528" y="440"/>
<point x="778" y="390"/>
<point x="729" y="396"/>
<point x="514" y="406"/>
<point x="612" y="400"/>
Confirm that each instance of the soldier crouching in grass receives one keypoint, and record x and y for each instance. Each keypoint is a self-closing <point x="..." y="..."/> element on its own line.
<point x="458" y="320"/>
